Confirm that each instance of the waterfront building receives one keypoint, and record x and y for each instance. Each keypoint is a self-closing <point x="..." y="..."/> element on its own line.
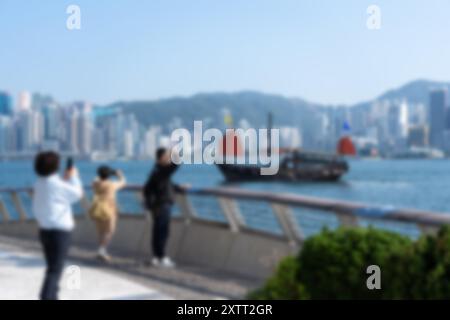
<point x="73" y="132"/>
<point x="128" y="150"/>
<point x="6" y="108"/>
<point x="418" y="136"/>
<point x="30" y="131"/>
<point x="52" y="122"/>
<point x="151" y="141"/>
<point x="398" y="120"/>
<point x="5" y="128"/>
<point x="24" y="101"/>
<point x="437" y="113"/>
<point x="85" y="133"/>
<point x="290" y="137"/>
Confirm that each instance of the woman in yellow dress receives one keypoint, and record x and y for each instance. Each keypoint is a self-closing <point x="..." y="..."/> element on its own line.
<point x="104" y="207"/>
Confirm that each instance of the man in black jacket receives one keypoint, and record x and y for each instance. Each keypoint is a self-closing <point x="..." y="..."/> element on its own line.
<point x="159" y="192"/>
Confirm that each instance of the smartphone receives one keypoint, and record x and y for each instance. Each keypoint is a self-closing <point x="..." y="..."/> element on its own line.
<point x="69" y="164"/>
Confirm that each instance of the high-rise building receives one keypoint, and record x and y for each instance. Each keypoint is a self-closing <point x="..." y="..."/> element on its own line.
<point x="51" y="121"/>
<point x="24" y="101"/>
<point x="73" y="145"/>
<point x="30" y="130"/>
<point x="151" y="141"/>
<point x="5" y="129"/>
<point x="290" y="137"/>
<point x="418" y="114"/>
<point x="6" y="107"/>
<point x="398" y="121"/>
<point x="128" y="144"/>
<point x="418" y="136"/>
<point x="85" y="133"/>
<point x="438" y="104"/>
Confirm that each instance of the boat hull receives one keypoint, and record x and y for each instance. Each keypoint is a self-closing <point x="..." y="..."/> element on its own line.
<point x="322" y="172"/>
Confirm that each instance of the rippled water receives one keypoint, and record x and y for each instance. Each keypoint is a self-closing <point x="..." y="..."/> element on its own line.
<point x="421" y="184"/>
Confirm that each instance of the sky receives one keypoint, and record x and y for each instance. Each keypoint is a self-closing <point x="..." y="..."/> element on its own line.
<point x="320" y="50"/>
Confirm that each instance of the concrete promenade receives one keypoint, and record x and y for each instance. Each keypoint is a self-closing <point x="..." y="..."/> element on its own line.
<point x="85" y="278"/>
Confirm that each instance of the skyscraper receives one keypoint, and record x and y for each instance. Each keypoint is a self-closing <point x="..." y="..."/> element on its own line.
<point x="73" y="132"/>
<point x="85" y="133"/>
<point x="24" y="101"/>
<point x="397" y="118"/>
<point x="128" y="151"/>
<point x="151" y="141"/>
<point x="30" y="125"/>
<point x="418" y="136"/>
<point x="438" y="103"/>
<point x="51" y="115"/>
<point x="6" y="107"/>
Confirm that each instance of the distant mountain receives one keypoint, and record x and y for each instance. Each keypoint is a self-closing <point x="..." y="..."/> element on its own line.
<point x="254" y="107"/>
<point x="417" y="91"/>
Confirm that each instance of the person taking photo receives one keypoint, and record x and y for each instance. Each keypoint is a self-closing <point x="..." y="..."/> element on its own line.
<point x="52" y="202"/>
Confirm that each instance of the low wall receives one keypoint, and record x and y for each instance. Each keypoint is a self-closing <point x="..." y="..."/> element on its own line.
<point x="196" y="242"/>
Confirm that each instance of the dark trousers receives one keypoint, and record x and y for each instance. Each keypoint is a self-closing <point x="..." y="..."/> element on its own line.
<point x="161" y="229"/>
<point x="55" y="244"/>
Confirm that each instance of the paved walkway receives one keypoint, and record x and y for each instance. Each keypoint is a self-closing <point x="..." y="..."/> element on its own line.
<point x="22" y="270"/>
<point x="21" y="274"/>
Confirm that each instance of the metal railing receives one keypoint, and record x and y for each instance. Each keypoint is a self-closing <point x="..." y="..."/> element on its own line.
<point x="291" y="216"/>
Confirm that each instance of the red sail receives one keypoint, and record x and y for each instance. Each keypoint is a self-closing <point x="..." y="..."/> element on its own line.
<point x="231" y="145"/>
<point x="346" y="147"/>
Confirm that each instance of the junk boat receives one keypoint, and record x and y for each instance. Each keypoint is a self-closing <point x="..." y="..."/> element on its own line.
<point x="295" y="164"/>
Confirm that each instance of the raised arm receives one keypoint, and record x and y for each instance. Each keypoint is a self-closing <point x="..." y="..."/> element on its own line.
<point x="121" y="181"/>
<point x="72" y="188"/>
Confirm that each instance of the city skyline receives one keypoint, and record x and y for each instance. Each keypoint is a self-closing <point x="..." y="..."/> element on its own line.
<point x="151" y="51"/>
<point x="386" y="127"/>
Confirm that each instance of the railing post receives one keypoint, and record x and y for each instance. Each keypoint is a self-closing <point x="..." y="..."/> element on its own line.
<point x="287" y="222"/>
<point x="4" y="212"/>
<point x="348" y="220"/>
<point x="427" y="230"/>
<point x="232" y="214"/>
<point x="140" y="198"/>
<point x="185" y="205"/>
<point x="85" y="205"/>
<point x="18" y="205"/>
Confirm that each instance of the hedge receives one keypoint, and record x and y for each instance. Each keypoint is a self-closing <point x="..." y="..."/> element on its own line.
<point x="333" y="264"/>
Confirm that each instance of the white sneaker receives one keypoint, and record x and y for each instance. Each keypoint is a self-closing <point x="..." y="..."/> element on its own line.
<point x="104" y="257"/>
<point x="166" y="262"/>
<point x="155" y="262"/>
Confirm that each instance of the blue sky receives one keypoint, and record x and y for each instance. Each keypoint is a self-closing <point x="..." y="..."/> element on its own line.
<point x="320" y="50"/>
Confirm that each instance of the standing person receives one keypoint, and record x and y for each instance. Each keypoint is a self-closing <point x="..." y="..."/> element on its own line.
<point x="52" y="201"/>
<point x="104" y="208"/>
<point x="159" y="197"/>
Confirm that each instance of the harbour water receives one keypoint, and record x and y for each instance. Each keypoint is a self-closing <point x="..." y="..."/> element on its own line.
<point x="420" y="184"/>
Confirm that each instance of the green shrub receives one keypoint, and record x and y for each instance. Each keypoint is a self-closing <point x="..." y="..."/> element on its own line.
<point x="332" y="265"/>
<point x="283" y="284"/>
<point x="425" y="268"/>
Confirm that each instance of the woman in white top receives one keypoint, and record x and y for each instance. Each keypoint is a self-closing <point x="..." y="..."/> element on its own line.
<point x="52" y="207"/>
